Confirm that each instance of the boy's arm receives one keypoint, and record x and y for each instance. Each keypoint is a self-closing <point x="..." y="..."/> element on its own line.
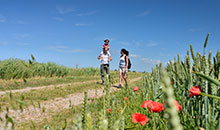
<point x="109" y="57"/>
<point x="100" y="57"/>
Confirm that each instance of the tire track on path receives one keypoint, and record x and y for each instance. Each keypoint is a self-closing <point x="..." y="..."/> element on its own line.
<point x="48" y="86"/>
<point x="54" y="106"/>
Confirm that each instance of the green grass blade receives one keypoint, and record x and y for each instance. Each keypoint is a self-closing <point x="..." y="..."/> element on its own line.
<point x="210" y="79"/>
<point x="206" y="40"/>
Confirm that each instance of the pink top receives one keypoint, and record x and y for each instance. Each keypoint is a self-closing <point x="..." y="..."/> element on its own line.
<point x="105" y="45"/>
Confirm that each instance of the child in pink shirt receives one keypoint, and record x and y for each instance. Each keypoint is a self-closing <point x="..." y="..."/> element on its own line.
<point x="106" y="44"/>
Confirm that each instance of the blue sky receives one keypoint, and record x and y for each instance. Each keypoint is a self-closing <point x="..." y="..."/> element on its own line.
<point x="70" y="32"/>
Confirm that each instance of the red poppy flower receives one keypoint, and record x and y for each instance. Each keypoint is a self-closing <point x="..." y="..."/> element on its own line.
<point x="145" y="104"/>
<point x="155" y="107"/>
<point x="177" y="105"/>
<point x="171" y="82"/>
<point x="138" y="117"/>
<point x="195" y="91"/>
<point x="135" y="88"/>
<point x="125" y="98"/>
<point x="109" y="110"/>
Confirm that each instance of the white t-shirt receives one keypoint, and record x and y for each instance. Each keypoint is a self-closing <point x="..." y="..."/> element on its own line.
<point x="104" y="58"/>
<point x="122" y="62"/>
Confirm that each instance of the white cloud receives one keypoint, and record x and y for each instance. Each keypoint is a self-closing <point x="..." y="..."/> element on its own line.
<point x="4" y="43"/>
<point x="21" y="22"/>
<point x="135" y="56"/>
<point x="64" y="10"/>
<point x="87" y="13"/>
<point x="23" y="44"/>
<point x="24" y="35"/>
<point x="124" y="43"/>
<point x="66" y="49"/>
<point x="58" y="19"/>
<point x="142" y="43"/>
<point x="2" y="19"/>
<point x="196" y="29"/>
<point x="103" y="38"/>
<point x="145" y="13"/>
<point x="145" y="60"/>
<point x="151" y="44"/>
<point x="82" y="24"/>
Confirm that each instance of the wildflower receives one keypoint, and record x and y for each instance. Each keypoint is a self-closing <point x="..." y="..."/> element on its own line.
<point x="145" y="104"/>
<point x="177" y="105"/>
<point x="135" y="88"/>
<point x="109" y="110"/>
<point x="125" y="98"/>
<point x="171" y="82"/>
<point x="195" y="91"/>
<point x="155" y="107"/>
<point x="138" y="117"/>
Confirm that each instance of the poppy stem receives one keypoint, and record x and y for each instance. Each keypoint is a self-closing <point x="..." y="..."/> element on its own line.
<point x="211" y="96"/>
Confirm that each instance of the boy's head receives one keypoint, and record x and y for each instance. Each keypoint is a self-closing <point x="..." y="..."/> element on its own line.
<point x="106" y="41"/>
<point x="105" y="49"/>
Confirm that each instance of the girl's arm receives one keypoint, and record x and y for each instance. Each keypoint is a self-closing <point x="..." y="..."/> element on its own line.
<point x="126" y="58"/>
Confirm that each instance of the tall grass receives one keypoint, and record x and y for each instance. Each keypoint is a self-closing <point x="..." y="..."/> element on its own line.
<point x="20" y="69"/>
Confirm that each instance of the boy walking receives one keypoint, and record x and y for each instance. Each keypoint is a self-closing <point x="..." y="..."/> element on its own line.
<point x="105" y="57"/>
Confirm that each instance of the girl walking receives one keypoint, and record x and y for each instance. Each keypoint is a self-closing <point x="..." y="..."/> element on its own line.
<point x="123" y="67"/>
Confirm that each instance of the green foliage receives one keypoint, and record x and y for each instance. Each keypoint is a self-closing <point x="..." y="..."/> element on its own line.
<point x="20" y="69"/>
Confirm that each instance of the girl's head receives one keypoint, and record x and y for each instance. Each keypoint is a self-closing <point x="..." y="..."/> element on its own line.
<point x="106" y="41"/>
<point x="124" y="52"/>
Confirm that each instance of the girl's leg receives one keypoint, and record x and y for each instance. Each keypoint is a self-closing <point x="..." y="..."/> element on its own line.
<point x="120" y="77"/>
<point x="125" y="78"/>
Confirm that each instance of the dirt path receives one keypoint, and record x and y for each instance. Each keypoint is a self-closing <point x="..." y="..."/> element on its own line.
<point x="54" y="106"/>
<point x="48" y="86"/>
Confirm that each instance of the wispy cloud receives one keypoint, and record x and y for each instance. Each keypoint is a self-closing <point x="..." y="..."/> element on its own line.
<point x="64" y="10"/>
<point x="66" y="49"/>
<point x="144" y="43"/>
<point x="82" y="24"/>
<point x="22" y="43"/>
<point x="124" y="43"/>
<point x="21" y="22"/>
<point x="24" y="35"/>
<point x="145" y="60"/>
<point x="196" y="29"/>
<point x="4" y="43"/>
<point x="2" y="19"/>
<point x="152" y="44"/>
<point x="145" y="13"/>
<point x="103" y="38"/>
<point x="87" y="13"/>
<point x="58" y="19"/>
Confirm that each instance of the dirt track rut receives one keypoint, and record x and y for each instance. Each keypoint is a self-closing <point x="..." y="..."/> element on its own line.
<point x="48" y="86"/>
<point x="54" y="106"/>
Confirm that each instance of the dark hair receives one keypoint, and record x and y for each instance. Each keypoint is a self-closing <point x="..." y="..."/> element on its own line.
<point x="106" y="40"/>
<point x="125" y="51"/>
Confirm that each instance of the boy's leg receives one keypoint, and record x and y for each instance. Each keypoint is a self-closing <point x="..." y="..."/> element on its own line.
<point x="108" y="71"/>
<point x="102" y="73"/>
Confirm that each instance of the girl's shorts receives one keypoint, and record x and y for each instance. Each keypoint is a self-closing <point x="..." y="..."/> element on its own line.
<point x="122" y="69"/>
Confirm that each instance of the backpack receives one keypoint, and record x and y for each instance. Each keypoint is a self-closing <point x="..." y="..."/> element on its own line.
<point x="129" y="63"/>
